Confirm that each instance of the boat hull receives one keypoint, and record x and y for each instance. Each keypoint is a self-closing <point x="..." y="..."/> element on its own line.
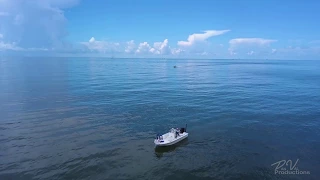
<point x="171" y="141"/>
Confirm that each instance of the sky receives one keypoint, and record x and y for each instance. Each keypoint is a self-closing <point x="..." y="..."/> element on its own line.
<point x="229" y="29"/>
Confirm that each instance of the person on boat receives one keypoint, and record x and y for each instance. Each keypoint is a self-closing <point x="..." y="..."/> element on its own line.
<point x="177" y="134"/>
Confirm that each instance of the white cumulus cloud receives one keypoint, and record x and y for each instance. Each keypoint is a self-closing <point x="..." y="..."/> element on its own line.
<point x="177" y="51"/>
<point x="34" y="23"/>
<point x="250" y="53"/>
<point x="161" y="47"/>
<point x="130" y="47"/>
<point x="157" y="48"/>
<point x="204" y="53"/>
<point x="9" y="46"/>
<point x="241" y="45"/>
<point x="101" y="46"/>
<point x="92" y="40"/>
<point x="258" y="41"/>
<point x="143" y="48"/>
<point x="200" y="37"/>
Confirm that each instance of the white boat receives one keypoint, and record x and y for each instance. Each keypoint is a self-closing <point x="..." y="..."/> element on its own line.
<point x="172" y="137"/>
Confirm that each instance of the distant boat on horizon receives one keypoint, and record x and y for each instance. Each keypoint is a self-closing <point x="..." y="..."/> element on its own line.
<point x="112" y="56"/>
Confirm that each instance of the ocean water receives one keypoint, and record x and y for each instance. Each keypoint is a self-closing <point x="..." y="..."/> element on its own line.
<point x="96" y="118"/>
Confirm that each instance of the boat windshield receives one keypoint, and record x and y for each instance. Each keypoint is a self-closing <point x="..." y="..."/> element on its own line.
<point x="173" y="130"/>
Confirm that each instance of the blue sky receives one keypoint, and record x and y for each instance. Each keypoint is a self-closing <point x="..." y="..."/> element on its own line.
<point x="143" y="28"/>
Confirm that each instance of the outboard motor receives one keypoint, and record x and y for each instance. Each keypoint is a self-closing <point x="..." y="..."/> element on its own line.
<point x="182" y="130"/>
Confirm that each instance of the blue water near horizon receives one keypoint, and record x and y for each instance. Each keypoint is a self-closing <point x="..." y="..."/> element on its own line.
<point x="96" y="118"/>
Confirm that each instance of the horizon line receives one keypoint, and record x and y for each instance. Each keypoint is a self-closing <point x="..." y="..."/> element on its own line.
<point x="169" y="58"/>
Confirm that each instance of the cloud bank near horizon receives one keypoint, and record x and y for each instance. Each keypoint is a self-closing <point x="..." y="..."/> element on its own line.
<point x="41" y="26"/>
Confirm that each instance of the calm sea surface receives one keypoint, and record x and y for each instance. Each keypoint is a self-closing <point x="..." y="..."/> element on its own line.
<point x="95" y="118"/>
